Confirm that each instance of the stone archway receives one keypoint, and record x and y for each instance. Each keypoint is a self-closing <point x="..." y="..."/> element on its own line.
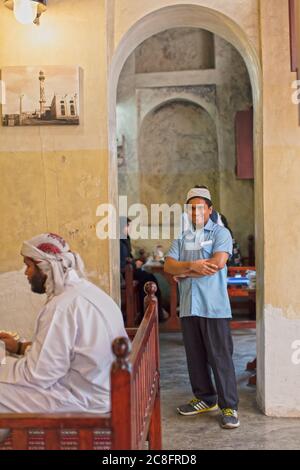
<point x="193" y="99"/>
<point x="210" y="108"/>
<point x="171" y="151"/>
<point x="196" y="16"/>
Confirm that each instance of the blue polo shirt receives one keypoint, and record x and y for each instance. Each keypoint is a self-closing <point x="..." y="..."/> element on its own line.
<point x="205" y="296"/>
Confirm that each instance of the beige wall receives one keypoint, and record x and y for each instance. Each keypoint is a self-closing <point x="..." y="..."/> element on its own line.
<point x="53" y="178"/>
<point x="282" y="203"/>
<point x="64" y="172"/>
<point x="244" y="12"/>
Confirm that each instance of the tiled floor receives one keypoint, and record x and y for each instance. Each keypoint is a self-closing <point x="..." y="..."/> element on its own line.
<point x="203" y="432"/>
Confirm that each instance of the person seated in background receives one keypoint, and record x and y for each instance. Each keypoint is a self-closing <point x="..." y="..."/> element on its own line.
<point x="66" y="367"/>
<point x="158" y="253"/>
<point x="236" y="258"/>
<point x="139" y="274"/>
<point x="142" y="256"/>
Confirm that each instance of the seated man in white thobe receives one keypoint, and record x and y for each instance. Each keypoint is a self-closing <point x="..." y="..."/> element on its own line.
<point x="66" y="368"/>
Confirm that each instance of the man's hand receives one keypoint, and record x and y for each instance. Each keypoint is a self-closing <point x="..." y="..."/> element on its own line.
<point x="11" y="345"/>
<point x="199" y="268"/>
<point x="204" y="267"/>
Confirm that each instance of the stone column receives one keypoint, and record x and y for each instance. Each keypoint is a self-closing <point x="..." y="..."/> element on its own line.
<point x="279" y="339"/>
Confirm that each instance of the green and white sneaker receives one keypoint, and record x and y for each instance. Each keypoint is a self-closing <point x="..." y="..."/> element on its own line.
<point x="229" y="419"/>
<point x="195" y="407"/>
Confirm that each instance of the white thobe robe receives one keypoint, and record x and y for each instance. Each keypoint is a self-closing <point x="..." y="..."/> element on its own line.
<point x="67" y="368"/>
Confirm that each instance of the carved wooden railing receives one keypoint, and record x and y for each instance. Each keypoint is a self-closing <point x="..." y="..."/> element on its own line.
<point x="130" y="297"/>
<point x="135" y="402"/>
<point x="138" y="379"/>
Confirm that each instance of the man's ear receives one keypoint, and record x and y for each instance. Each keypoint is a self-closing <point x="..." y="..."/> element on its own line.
<point x="211" y="210"/>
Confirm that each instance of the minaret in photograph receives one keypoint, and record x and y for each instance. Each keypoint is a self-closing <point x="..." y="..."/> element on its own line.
<point x="42" y="79"/>
<point x="21" y="109"/>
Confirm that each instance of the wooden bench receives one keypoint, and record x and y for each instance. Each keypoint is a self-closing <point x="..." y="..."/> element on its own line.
<point x="135" y="417"/>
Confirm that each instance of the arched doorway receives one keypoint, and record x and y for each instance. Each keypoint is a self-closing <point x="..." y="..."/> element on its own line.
<point x="169" y="132"/>
<point x="195" y="17"/>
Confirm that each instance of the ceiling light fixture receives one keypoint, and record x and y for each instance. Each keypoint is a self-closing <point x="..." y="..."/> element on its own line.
<point x="27" y="11"/>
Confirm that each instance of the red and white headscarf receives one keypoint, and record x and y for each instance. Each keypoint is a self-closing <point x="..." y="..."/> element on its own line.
<point x="53" y="256"/>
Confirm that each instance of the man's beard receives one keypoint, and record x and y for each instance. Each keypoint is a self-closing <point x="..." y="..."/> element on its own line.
<point x="37" y="283"/>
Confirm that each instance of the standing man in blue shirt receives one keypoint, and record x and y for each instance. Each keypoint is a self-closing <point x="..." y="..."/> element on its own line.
<point x="198" y="260"/>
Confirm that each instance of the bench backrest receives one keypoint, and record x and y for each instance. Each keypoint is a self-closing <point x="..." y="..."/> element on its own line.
<point x="135" y="402"/>
<point x="135" y="383"/>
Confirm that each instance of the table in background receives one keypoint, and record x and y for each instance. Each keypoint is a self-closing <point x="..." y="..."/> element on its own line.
<point x="173" y="322"/>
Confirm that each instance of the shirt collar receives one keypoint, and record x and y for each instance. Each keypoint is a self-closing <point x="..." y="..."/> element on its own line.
<point x="209" y="225"/>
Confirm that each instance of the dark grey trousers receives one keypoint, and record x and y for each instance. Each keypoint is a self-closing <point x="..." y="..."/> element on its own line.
<point x="208" y="344"/>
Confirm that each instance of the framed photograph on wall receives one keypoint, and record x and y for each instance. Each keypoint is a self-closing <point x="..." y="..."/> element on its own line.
<point x="38" y="96"/>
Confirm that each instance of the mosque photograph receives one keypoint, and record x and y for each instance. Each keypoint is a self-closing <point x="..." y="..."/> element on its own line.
<point x="37" y="95"/>
<point x="149" y="196"/>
